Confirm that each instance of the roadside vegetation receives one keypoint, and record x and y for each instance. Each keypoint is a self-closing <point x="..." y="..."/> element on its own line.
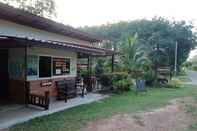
<point x="128" y="102"/>
<point x="145" y="47"/>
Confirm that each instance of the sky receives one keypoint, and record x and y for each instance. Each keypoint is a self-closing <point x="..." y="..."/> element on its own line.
<point x="79" y="13"/>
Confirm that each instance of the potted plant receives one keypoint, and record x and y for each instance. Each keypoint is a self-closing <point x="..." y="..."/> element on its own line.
<point x="135" y="59"/>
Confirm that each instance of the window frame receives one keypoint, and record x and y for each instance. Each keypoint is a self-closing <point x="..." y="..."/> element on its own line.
<point x="62" y="74"/>
<point x="37" y="77"/>
<point x="49" y="74"/>
<point x="36" y="61"/>
<point x="30" y="77"/>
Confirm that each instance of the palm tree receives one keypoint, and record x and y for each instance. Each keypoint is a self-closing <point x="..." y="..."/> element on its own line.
<point x="134" y="57"/>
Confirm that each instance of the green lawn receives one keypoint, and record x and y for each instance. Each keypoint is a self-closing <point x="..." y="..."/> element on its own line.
<point x="73" y="119"/>
<point x="184" y="78"/>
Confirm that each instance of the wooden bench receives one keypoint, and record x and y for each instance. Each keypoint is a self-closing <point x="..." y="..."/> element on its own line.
<point x="40" y="100"/>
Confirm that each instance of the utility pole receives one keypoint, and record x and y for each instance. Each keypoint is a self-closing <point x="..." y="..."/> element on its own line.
<point x="176" y="53"/>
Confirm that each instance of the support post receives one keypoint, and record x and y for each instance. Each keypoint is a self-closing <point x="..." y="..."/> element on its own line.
<point x="112" y="64"/>
<point x="89" y="65"/>
<point x="175" y="63"/>
<point x="89" y="73"/>
<point x="27" y="85"/>
<point x="88" y="68"/>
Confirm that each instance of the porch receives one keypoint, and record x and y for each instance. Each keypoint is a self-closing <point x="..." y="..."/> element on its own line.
<point x="40" y="62"/>
<point x="31" y="66"/>
<point x="14" y="114"/>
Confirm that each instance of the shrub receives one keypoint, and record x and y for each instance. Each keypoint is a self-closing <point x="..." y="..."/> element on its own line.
<point x="174" y="83"/>
<point x="84" y="73"/>
<point x="119" y="81"/>
<point x="187" y="64"/>
<point x="194" y="68"/>
<point x="150" y="77"/>
<point x="106" y="81"/>
<point x="99" y="69"/>
<point x="123" y="85"/>
<point x="137" y="74"/>
<point x="115" y="80"/>
<point x="119" y="76"/>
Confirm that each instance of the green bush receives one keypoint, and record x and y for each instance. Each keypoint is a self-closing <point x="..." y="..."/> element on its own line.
<point x="187" y="64"/>
<point x="123" y="85"/>
<point x="84" y="73"/>
<point x="106" y="80"/>
<point x="174" y="83"/>
<point x="119" y="81"/>
<point x="99" y="69"/>
<point x="119" y="76"/>
<point x="194" y="68"/>
<point x="150" y="77"/>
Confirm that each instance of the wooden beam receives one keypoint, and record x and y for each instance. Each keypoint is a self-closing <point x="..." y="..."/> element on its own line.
<point x="89" y="65"/>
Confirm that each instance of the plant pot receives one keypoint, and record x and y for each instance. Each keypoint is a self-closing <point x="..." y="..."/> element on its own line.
<point x="140" y="85"/>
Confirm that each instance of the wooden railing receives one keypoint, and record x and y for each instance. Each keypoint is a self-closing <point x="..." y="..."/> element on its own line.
<point x="37" y="100"/>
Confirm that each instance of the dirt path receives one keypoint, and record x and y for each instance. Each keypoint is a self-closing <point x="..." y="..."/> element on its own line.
<point x="170" y="118"/>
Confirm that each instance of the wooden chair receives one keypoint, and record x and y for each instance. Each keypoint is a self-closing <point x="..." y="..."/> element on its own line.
<point x="61" y="90"/>
<point x="71" y="89"/>
<point x="80" y="86"/>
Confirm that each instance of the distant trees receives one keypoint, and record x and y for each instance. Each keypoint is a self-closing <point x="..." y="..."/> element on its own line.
<point x="152" y="33"/>
<point x="44" y="8"/>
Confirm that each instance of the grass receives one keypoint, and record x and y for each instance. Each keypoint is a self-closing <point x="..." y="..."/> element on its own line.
<point x="191" y="108"/>
<point x="184" y="78"/>
<point x="193" y="127"/>
<point x="75" y="118"/>
<point x="193" y="111"/>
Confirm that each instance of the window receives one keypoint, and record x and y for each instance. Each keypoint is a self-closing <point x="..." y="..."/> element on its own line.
<point x="32" y="66"/>
<point x="61" y="66"/>
<point x="44" y="67"/>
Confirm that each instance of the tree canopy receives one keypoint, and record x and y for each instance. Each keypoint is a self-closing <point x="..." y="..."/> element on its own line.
<point x="156" y="32"/>
<point x="44" y="8"/>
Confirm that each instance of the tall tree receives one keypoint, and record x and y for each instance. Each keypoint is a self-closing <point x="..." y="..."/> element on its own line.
<point x="157" y="31"/>
<point x="44" y="8"/>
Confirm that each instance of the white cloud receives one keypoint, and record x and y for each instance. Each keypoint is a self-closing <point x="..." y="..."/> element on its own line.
<point x="96" y="12"/>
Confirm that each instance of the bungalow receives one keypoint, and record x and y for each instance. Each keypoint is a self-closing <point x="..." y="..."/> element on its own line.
<point x="39" y="51"/>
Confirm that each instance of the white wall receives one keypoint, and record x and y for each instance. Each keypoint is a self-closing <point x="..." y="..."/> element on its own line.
<point x="13" y="29"/>
<point x="37" y="51"/>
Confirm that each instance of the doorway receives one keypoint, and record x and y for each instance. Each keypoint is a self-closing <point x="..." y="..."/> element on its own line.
<point x="4" y="75"/>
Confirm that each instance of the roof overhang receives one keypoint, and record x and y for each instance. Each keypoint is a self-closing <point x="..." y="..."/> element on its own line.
<point x="25" y="18"/>
<point x="15" y="42"/>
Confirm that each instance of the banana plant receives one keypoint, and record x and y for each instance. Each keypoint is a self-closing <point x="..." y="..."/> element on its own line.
<point x="134" y="56"/>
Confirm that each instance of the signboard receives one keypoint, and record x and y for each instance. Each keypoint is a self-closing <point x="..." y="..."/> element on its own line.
<point x="61" y="66"/>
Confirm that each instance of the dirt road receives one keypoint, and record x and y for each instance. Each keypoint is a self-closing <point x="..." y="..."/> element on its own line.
<point x="170" y="118"/>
